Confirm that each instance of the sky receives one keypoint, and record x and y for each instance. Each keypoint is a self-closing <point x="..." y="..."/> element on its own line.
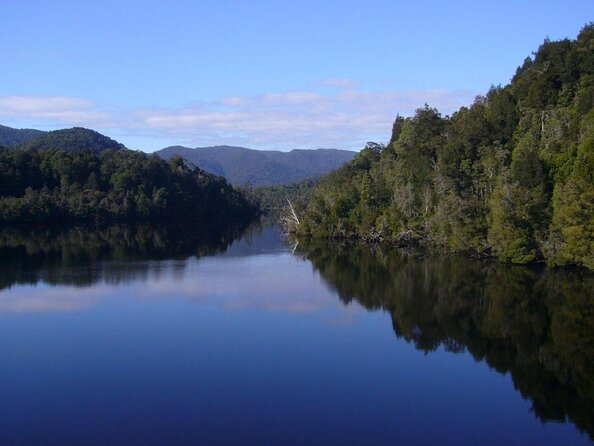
<point x="260" y="74"/>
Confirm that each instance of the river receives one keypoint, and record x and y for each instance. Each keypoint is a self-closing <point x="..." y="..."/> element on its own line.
<point x="173" y="335"/>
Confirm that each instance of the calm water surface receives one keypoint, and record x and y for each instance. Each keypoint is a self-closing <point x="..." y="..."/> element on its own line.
<point x="165" y="336"/>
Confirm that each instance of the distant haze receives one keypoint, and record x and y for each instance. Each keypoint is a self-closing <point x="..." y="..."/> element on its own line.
<point x="239" y="165"/>
<point x="242" y="166"/>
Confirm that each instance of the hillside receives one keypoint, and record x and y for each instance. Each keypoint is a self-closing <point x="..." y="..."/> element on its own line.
<point x="76" y="138"/>
<point x="512" y="175"/>
<point x="243" y="166"/>
<point x="111" y="185"/>
<point x="11" y="137"/>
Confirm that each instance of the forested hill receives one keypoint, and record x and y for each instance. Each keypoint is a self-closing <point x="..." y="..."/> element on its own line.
<point x="76" y="138"/>
<point x="10" y="136"/>
<point x="512" y="175"/>
<point x="111" y="185"/>
<point x="243" y="166"/>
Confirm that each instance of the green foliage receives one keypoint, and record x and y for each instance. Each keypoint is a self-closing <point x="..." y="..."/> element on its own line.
<point x="115" y="184"/>
<point x="573" y="202"/>
<point x="512" y="175"/>
<point x="10" y="136"/>
<point x="76" y="138"/>
<point x="272" y="200"/>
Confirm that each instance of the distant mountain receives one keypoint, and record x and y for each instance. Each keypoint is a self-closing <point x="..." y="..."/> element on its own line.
<point x="11" y="137"/>
<point x="76" y="138"/>
<point x="261" y="167"/>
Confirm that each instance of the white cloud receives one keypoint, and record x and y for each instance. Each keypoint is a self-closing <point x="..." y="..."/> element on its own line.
<point x="344" y="118"/>
<point x="233" y="101"/>
<point x="37" y="104"/>
<point x="60" y="109"/>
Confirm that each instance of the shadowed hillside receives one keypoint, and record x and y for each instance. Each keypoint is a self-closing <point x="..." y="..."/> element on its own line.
<point x="243" y="166"/>
<point x="76" y="138"/>
<point x="10" y="136"/>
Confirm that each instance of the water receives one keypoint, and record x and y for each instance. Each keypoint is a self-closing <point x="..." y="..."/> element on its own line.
<point x="149" y="335"/>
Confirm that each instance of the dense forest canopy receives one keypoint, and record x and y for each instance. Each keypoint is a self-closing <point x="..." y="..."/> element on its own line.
<point x="10" y="136"/>
<point x="76" y="138"/>
<point x="272" y="200"/>
<point x="113" y="184"/>
<point x="512" y="175"/>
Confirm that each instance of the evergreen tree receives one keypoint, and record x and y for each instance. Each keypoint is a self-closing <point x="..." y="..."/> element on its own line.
<point x="512" y="174"/>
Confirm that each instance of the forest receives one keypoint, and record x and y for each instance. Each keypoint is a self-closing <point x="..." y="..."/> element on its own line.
<point x="272" y="199"/>
<point x="110" y="185"/>
<point x="510" y="176"/>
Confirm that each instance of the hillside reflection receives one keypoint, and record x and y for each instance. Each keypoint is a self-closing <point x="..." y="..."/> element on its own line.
<point x="536" y="324"/>
<point x="81" y="256"/>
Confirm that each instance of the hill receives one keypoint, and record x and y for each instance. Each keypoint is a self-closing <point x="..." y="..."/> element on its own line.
<point x="76" y="138"/>
<point x="512" y="175"/>
<point x="242" y="166"/>
<point x="11" y="137"/>
<point x="111" y="185"/>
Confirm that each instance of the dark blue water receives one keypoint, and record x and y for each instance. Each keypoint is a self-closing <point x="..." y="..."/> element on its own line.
<point x="254" y="341"/>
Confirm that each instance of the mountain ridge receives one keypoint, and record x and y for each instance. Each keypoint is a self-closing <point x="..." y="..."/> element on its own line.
<point x="10" y="136"/>
<point x="75" y="138"/>
<point x="239" y="165"/>
<point x="244" y="166"/>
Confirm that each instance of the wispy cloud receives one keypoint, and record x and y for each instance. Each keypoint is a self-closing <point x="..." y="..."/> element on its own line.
<point x="346" y="117"/>
<point x="59" y="109"/>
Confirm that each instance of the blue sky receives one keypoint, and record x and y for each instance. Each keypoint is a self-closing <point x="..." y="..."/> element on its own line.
<point x="262" y="74"/>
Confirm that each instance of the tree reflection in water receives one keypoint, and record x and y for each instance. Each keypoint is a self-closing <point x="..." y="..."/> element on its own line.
<point x="83" y="255"/>
<point x="535" y="323"/>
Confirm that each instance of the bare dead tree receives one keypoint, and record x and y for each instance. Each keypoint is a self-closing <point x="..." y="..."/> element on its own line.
<point x="289" y="219"/>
